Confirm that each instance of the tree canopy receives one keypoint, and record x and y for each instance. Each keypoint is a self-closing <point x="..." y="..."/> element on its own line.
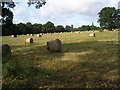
<point x="37" y="3"/>
<point x="6" y="14"/>
<point x="48" y="27"/>
<point x="109" y="18"/>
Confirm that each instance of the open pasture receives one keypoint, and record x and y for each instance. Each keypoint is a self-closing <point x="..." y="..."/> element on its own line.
<point x="84" y="62"/>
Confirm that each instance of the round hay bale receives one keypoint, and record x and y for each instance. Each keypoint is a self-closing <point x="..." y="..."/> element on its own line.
<point x="29" y="40"/>
<point x="14" y="36"/>
<point x="38" y="35"/>
<point x="42" y="33"/>
<point x="77" y="32"/>
<point x="117" y="30"/>
<point x="92" y="35"/>
<point x="54" y="45"/>
<point x="6" y="50"/>
<point x="31" y="34"/>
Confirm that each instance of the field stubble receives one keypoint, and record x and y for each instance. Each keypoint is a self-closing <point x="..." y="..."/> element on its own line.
<point x="85" y="62"/>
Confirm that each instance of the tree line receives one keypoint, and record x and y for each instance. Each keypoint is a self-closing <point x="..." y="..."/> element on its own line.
<point x="49" y="27"/>
<point x="109" y="18"/>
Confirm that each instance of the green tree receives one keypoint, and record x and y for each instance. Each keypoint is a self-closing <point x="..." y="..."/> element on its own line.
<point x="109" y="18"/>
<point x="37" y="28"/>
<point x="21" y="28"/>
<point x="48" y="27"/>
<point x="60" y="28"/>
<point x="29" y="28"/>
<point x="6" y="14"/>
<point x="6" y="17"/>
<point x="116" y="18"/>
<point x="37" y="3"/>
<point x="69" y="28"/>
<point x="85" y="28"/>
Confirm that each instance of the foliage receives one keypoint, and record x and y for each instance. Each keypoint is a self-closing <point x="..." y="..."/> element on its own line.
<point x="38" y="3"/>
<point x="48" y="27"/>
<point x="29" y="28"/>
<point x="60" y="28"/>
<point x="109" y="18"/>
<point x="7" y="15"/>
<point x="69" y="28"/>
<point x="88" y="28"/>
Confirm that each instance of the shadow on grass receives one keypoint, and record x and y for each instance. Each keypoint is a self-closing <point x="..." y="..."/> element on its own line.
<point x="97" y="69"/>
<point x="24" y="45"/>
<point x="20" y="75"/>
<point x="37" y="51"/>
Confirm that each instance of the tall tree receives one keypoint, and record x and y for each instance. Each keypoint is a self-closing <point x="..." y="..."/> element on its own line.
<point x="6" y="17"/>
<point x="6" y="14"/>
<point x="48" y="27"/>
<point x="69" y="28"/>
<point x="109" y="18"/>
<point x="116" y="18"/>
<point x="60" y="28"/>
<point x="22" y="28"/>
<point x="37" y="28"/>
<point x="37" y="3"/>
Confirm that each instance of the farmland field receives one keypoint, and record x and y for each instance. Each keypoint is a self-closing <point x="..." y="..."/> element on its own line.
<point x="84" y="62"/>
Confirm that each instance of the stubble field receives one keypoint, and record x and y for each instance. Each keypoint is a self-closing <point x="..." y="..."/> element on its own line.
<point x="84" y="62"/>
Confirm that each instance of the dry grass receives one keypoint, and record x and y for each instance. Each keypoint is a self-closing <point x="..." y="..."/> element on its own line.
<point x="85" y="62"/>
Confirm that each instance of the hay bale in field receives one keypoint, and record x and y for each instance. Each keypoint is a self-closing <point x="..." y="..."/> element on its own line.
<point x="54" y="45"/>
<point x="117" y="30"/>
<point x="14" y="36"/>
<point x="41" y="33"/>
<point x="38" y="35"/>
<point x="31" y="34"/>
<point x="105" y="30"/>
<point x="77" y="32"/>
<point x="29" y="40"/>
<point x="92" y="35"/>
<point x="6" y="50"/>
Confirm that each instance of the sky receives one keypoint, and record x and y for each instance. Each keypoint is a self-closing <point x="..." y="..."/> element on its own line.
<point x="62" y="12"/>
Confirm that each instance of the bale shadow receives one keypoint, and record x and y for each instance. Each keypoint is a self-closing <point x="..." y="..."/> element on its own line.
<point x="98" y="70"/>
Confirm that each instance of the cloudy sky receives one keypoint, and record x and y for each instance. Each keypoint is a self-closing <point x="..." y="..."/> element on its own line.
<point x="62" y="12"/>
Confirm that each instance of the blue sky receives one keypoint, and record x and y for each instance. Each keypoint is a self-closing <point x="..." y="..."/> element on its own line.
<point x="62" y="12"/>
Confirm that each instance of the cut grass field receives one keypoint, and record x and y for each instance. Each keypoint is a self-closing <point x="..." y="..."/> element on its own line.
<point x="85" y="62"/>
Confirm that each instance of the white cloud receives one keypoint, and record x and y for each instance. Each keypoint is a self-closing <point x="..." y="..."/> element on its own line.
<point x="70" y="7"/>
<point x="20" y="0"/>
<point x="18" y="12"/>
<point x="64" y="12"/>
<point x="34" y="20"/>
<point x="114" y="3"/>
<point x="32" y="14"/>
<point x="19" y="8"/>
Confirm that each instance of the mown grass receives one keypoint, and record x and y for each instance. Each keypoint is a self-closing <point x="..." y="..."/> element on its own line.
<point x="85" y="62"/>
